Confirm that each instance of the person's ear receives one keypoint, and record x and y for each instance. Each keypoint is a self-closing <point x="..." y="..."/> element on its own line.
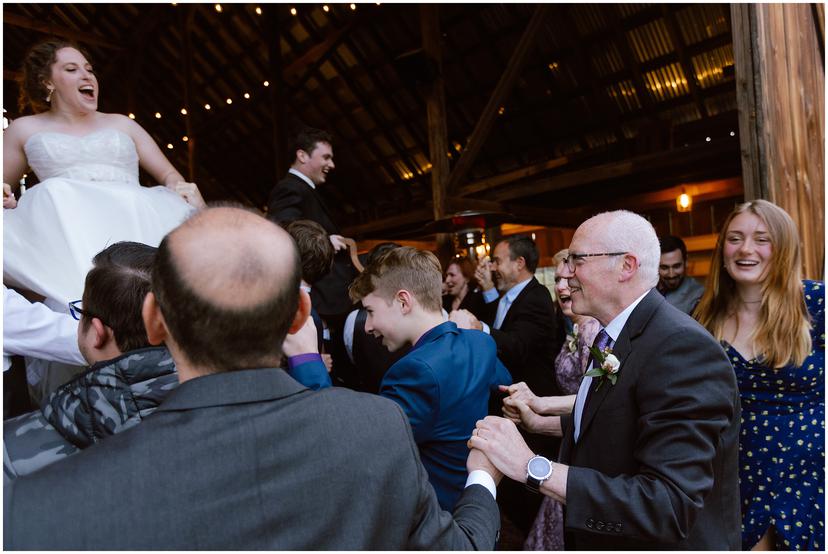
<point x="629" y="267"/>
<point x="154" y="320"/>
<point x="301" y="155"/>
<point x="302" y="312"/>
<point x="405" y="299"/>
<point x="103" y="334"/>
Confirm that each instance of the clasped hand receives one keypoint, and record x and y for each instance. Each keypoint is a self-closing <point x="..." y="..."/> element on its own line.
<point x="190" y="193"/>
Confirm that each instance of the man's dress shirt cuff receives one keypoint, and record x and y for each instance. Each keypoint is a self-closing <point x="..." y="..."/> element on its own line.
<point x="490" y="295"/>
<point x="486" y="328"/>
<point x="480" y="477"/>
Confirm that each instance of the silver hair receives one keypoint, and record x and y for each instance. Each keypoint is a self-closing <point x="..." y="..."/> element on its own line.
<point x="625" y="231"/>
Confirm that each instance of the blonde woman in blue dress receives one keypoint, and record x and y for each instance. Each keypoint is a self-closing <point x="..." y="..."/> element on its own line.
<point x="772" y="325"/>
<point x="87" y="162"/>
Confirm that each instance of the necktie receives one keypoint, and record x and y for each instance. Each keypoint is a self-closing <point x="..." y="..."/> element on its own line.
<point x="602" y="340"/>
<point x="502" y="308"/>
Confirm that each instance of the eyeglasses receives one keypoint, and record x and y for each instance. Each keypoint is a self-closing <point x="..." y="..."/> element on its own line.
<point x="77" y="311"/>
<point x="572" y="258"/>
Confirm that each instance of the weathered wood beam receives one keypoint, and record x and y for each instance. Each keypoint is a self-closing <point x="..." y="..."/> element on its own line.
<point x="436" y="108"/>
<point x="650" y="162"/>
<point x="398" y="221"/>
<point x="702" y="191"/>
<point x="84" y="37"/>
<point x="778" y="52"/>
<point x="500" y="93"/>
<point x="511" y="176"/>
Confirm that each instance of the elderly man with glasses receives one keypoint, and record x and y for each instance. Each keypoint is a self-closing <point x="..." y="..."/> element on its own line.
<point x="649" y="456"/>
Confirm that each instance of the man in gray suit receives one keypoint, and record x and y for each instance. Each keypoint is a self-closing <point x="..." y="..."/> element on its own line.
<point x="241" y="456"/>
<point x="649" y="458"/>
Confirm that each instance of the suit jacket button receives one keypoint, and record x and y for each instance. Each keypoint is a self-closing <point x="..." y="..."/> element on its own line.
<point x="599" y="526"/>
<point x="617" y="527"/>
<point x="590" y="523"/>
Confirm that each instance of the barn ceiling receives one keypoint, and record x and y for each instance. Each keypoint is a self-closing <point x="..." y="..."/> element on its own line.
<point x="599" y="102"/>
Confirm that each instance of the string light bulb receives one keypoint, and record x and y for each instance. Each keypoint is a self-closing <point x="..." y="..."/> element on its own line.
<point x="170" y="146"/>
<point x="684" y="202"/>
<point x="293" y="11"/>
<point x="266" y="83"/>
<point x="183" y="111"/>
<point x="229" y="101"/>
<point x="258" y="10"/>
<point x="247" y="95"/>
<point x="218" y="8"/>
<point x="206" y="106"/>
<point x="157" y="115"/>
<point x="353" y="6"/>
<point x="185" y="138"/>
<point x="326" y="8"/>
<point x="131" y="115"/>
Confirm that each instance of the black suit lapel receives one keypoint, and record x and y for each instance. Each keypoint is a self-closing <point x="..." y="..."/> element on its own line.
<point x="623" y="346"/>
<point x="514" y="308"/>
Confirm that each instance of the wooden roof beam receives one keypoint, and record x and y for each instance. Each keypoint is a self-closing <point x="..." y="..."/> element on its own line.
<point x="500" y="93"/>
<point x="39" y="26"/>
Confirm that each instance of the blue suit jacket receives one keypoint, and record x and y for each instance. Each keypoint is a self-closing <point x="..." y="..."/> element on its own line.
<point x="443" y="386"/>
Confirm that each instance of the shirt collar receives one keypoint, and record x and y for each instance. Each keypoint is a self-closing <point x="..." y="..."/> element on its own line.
<point x="513" y="292"/>
<point x="303" y="177"/>
<point x="615" y="326"/>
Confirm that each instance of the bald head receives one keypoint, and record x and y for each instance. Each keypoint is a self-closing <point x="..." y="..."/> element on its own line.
<point x="227" y="283"/>
<point x="624" y="231"/>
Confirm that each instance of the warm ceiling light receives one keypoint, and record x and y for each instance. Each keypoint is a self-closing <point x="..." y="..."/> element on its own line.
<point x="353" y="6"/>
<point x="707" y="139"/>
<point x="157" y="115"/>
<point x="293" y="11"/>
<point x="247" y="95"/>
<point x="229" y="101"/>
<point x="258" y="10"/>
<point x="183" y="111"/>
<point x="206" y="106"/>
<point x="131" y="115"/>
<point x="684" y="202"/>
<point x="170" y="146"/>
<point x="266" y="83"/>
<point x="501" y="110"/>
<point x="326" y="8"/>
<point x="218" y="8"/>
<point x="185" y="138"/>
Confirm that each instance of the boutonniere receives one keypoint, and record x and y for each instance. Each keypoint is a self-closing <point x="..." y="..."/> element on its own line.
<point x="572" y="339"/>
<point x="606" y="366"/>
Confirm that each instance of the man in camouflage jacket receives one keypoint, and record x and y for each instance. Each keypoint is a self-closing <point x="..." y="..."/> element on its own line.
<point x="127" y="379"/>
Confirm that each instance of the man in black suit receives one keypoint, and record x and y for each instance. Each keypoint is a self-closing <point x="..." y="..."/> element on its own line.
<point x="295" y="197"/>
<point x="528" y="332"/>
<point x="240" y="456"/>
<point x="649" y="458"/>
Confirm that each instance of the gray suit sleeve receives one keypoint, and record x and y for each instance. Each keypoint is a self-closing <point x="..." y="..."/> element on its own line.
<point x="474" y="525"/>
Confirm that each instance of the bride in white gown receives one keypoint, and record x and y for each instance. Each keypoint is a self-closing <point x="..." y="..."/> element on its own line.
<point x="89" y="195"/>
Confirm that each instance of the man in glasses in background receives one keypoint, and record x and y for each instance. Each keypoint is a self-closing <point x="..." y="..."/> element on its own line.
<point x="127" y="378"/>
<point x="649" y="457"/>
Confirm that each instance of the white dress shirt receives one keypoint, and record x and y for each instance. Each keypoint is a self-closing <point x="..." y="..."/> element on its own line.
<point x="303" y="177"/>
<point x="505" y="303"/>
<point x="613" y="330"/>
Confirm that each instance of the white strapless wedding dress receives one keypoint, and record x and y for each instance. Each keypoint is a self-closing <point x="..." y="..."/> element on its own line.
<point x="88" y="198"/>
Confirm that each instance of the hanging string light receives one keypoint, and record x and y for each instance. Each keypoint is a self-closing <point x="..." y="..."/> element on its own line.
<point x="258" y="10"/>
<point x="218" y="8"/>
<point x="293" y="11"/>
<point x="183" y="111"/>
<point x="131" y="115"/>
<point x="157" y="115"/>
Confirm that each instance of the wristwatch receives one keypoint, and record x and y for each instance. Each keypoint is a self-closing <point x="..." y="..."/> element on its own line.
<point x="538" y="470"/>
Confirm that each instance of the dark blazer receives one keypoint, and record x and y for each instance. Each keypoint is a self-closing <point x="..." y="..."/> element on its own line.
<point x="248" y="460"/>
<point x="291" y="199"/>
<point x="529" y="338"/>
<point x="655" y="466"/>
<point x="371" y="358"/>
<point x="443" y="385"/>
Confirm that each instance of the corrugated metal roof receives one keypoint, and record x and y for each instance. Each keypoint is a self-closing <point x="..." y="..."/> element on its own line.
<point x="588" y="18"/>
<point x="626" y="10"/>
<point x="607" y="61"/>
<point x="667" y="82"/>
<point x="624" y="95"/>
<point x="701" y="22"/>
<point x="650" y="41"/>
<point x="709" y="66"/>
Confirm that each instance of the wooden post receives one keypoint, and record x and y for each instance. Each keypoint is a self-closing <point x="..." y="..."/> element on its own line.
<point x="780" y="93"/>
<point x="437" y="129"/>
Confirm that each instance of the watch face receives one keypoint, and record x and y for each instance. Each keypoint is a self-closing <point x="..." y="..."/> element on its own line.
<point x="539" y="468"/>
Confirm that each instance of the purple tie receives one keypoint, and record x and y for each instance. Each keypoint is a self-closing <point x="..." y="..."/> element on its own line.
<point x="602" y="340"/>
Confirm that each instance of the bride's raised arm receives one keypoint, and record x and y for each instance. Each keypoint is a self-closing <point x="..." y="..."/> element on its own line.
<point x="154" y="162"/>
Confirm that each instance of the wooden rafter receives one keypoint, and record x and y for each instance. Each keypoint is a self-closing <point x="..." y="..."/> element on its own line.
<point x="84" y="37"/>
<point x="501" y="91"/>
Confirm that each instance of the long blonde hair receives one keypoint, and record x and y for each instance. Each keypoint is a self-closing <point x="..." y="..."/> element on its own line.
<point x="783" y="333"/>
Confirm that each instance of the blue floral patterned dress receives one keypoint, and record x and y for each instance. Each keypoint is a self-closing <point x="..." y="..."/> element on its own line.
<point x="782" y="448"/>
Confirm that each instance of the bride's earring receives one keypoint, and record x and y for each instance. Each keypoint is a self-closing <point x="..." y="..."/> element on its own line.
<point x="49" y="96"/>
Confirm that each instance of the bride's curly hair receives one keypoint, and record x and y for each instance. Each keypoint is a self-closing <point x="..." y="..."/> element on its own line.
<point x="37" y="68"/>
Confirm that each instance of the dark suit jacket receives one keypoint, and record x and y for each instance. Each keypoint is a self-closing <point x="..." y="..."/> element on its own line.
<point x="529" y="338"/>
<point x="291" y="199"/>
<point x="655" y="466"/>
<point x="248" y="460"/>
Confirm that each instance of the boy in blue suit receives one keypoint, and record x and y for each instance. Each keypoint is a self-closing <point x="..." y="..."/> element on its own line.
<point x="443" y="384"/>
